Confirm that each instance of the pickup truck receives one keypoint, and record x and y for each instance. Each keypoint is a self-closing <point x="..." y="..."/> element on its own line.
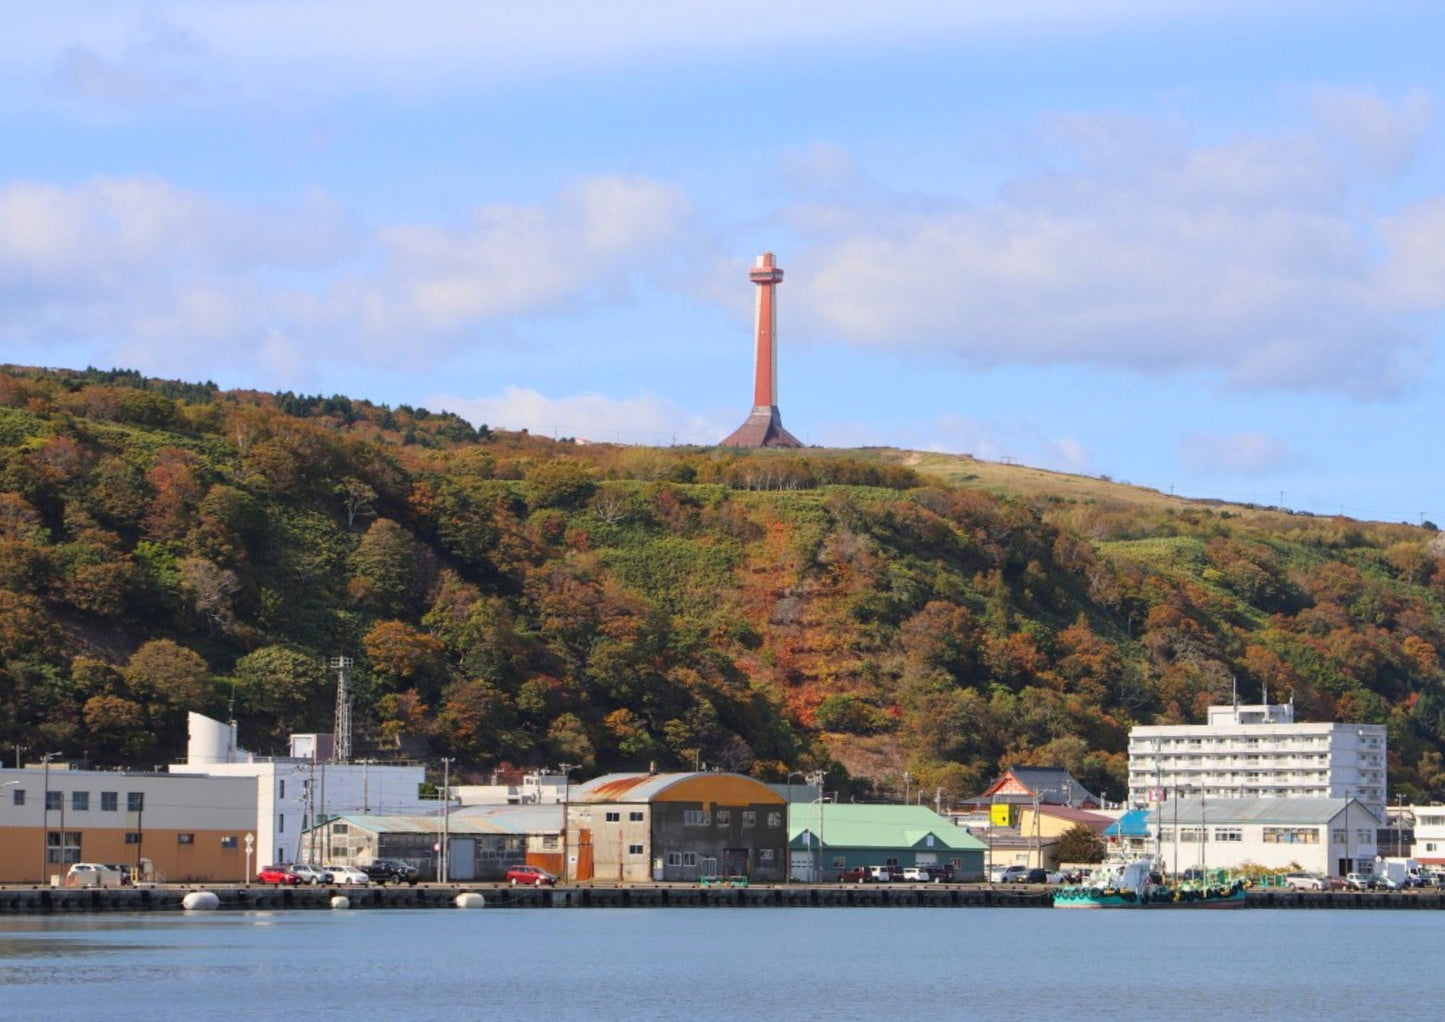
<point x="389" y="871"/>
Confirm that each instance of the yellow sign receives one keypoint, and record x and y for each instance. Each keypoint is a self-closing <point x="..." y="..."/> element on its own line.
<point x="1000" y="815"/>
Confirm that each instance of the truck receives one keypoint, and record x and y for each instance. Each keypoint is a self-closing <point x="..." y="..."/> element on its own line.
<point x="1405" y="872"/>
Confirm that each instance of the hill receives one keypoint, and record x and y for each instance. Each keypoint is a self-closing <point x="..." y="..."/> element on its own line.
<point x="516" y="601"/>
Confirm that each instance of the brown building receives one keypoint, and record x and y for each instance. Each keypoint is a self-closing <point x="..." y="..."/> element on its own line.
<point x="645" y="827"/>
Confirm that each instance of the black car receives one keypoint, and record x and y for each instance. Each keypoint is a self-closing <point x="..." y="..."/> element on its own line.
<point x="1037" y="875"/>
<point x="393" y="871"/>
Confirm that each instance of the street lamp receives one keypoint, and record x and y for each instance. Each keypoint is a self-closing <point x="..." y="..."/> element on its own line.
<point x="45" y="820"/>
<point x="818" y="777"/>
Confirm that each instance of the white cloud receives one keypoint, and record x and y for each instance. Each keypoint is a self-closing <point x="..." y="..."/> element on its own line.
<point x="1245" y="259"/>
<point x="517" y="260"/>
<point x="643" y="419"/>
<point x="1020" y="441"/>
<point x="1236" y="454"/>
<point x="153" y="275"/>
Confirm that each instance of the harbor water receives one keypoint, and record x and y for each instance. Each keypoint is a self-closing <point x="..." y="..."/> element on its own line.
<point x="704" y="964"/>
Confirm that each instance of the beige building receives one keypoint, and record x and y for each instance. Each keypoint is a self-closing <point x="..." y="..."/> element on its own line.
<point x="174" y="827"/>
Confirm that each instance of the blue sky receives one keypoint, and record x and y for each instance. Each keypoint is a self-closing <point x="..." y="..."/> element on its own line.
<point x="1194" y="246"/>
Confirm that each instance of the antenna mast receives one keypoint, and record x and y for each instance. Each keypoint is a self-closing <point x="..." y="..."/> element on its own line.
<point x="341" y="753"/>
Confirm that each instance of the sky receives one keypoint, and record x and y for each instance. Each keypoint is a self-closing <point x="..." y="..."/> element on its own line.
<point x="1193" y="246"/>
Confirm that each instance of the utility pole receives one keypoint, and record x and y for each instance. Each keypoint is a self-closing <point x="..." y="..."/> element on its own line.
<point x="566" y="769"/>
<point x="341" y="748"/>
<point x="446" y="818"/>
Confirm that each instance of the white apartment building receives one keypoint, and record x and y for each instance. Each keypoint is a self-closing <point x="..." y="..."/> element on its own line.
<point x="1258" y="752"/>
<point x="294" y="792"/>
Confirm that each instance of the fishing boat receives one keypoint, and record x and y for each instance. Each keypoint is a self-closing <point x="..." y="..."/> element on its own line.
<point x="1133" y="885"/>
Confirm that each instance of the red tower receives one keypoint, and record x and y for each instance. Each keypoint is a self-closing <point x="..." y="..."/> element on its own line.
<point x="764" y="427"/>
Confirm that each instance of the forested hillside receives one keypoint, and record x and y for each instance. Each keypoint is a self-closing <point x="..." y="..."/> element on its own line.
<point x="515" y="601"/>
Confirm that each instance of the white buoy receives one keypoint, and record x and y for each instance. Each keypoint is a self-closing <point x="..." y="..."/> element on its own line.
<point x="199" y="901"/>
<point x="340" y="901"/>
<point x="470" y="900"/>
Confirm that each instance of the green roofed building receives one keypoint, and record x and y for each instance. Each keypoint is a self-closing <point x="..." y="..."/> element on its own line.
<point x="827" y="839"/>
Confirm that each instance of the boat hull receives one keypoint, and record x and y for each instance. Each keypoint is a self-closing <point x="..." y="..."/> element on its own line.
<point x="1093" y="898"/>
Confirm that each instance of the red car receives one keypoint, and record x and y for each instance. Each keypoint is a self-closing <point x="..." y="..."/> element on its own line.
<point x="278" y="875"/>
<point x="534" y="875"/>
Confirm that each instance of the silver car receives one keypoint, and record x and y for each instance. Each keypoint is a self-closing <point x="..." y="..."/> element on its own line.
<point x="310" y="874"/>
<point x="347" y="875"/>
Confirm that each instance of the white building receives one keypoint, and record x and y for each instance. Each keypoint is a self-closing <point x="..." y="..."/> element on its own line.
<point x="1258" y="751"/>
<point x="293" y="792"/>
<point x="1429" y="846"/>
<point x="1332" y="836"/>
<point x="535" y="789"/>
<point x="173" y="826"/>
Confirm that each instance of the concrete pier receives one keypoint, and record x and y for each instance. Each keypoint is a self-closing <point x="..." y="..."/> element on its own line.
<point x="73" y="901"/>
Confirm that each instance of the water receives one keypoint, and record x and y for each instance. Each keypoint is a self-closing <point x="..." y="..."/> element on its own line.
<point x="684" y="965"/>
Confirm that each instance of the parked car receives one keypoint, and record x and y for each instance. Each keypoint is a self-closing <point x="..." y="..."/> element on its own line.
<point x="884" y="874"/>
<point x="93" y="874"/>
<point x="280" y="874"/>
<point x="534" y="876"/>
<point x="1037" y="875"/>
<point x="310" y="874"/>
<point x="1304" y="882"/>
<point x="941" y="874"/>
<point x="1360" y="882"/>
<point x="916" y="874"/>
<point x="856" y="875"/>
<point x="390" y="871"/>
<point x="1008" y="874"/>
<point x="347" y="875"/>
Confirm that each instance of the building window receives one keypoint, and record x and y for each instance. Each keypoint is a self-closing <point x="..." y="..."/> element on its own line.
<point x="132" y="837"/>
<point x="18" y="797"/>
<point x="840" y="861"/>
<point x="635" y="816"/>
<point x="674" y="858"/>
<point x="109" y="801"/>
<point x="549" y="842"/>
<point x="54" y="799"/>
<point x="185" y="839"/>
<point x="281" y="824"/>
<point x="135" y="801"/>
<point x="634" y="849"/>
<point x="724" y="817"/>
<point x="750" y="818"/>
<point x="1339" y="835"/>
<point x="1228" y="834"/>
<point x="1291" y="836"/>
<point x="229" y="841"/>
<point x="281" y="788"/>
<point x="765" y="855"/>
<point x="614" y="817"/>
<point x="61" y="851"/>
<point x="696" y="817"/>
<point x="689" y="858"/>
<point x="79" y="801"/>
<point x="340" y="828"/>
<point x="776" y="820"/>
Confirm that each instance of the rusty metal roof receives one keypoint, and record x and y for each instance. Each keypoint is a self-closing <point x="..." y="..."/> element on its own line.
<point x="706" y="787"/>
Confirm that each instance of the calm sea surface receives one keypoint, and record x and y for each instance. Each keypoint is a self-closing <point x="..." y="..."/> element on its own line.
<point x="699" y="964"/>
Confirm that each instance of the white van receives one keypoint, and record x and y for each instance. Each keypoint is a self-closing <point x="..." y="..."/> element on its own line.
<point x="93" y="874"/>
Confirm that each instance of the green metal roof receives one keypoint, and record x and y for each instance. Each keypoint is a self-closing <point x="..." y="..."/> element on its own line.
<point x="866" y="825"/>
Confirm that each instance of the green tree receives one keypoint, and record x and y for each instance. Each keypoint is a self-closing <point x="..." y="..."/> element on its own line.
<point x="1080" y="844"/>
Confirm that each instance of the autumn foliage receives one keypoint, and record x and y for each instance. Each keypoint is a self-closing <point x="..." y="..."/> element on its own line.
<point x="513" y="600"/>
